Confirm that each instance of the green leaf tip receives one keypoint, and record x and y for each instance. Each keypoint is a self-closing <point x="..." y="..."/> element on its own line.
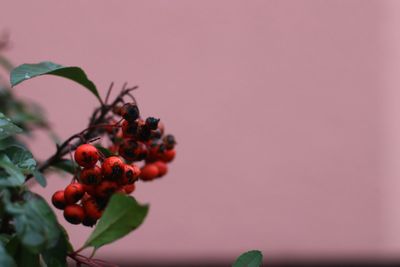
<point x="252" y="258"/>
<point x="28" y="71"/>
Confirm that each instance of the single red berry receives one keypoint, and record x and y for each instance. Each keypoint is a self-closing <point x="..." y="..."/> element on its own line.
<point x="73" y="193"/>
<point x="113" y="167"/>
<point x="149" y="172"/>
<point x="130" y="112"/>
<point x="86" y="155"/>
<point x="129" y="188"/>
<point x="92" y="209"/>
<point x="91" y="176"/>
<point x="87" y="221"/>
<point x="168" y="155"/>
<point x="129" y="129"/>
<point x="131" y="174"/>
<point x="74" y="214"/>
<point x="58" y="200"/>
<point x="162" y="168"/>
<point x="106" y="188"/>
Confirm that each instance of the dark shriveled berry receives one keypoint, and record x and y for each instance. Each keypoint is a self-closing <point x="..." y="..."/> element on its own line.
<point x="130" y="112"/>
<point x="152" y="123"/>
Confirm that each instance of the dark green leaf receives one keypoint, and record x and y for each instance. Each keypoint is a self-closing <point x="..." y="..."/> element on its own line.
<point x="39" y="178"/>
<point x="21" y="157"/>
<point x="35" y="223"/>
<point x="66" y="165"/>
<point x="252" y="258"/>
<point x="107" y="153"/>
<point x="11" y="175"/>
<point x="7" y="128"/>
<point x="57" y="256"/>
<point x="28" y="71"/>
<point x="122" y="215"/>
<point x="5" y="258"/>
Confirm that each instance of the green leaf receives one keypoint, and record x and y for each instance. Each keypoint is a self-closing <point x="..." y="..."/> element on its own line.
<point x="39" y="178"/>
<point x="35" y="223"/>
<point x="252" y="258"/>
<point x="121" y="216"/>
<point x="7" y="128"/>
<point x="5" y="258"/>
<point x="106" y="152"/>
<point x="28" y="71"/>
<point x="11" y="175"/>
<point x="66" y="165"/>
<point x="57" y="256"/>
<point x="22" y="255"/>
<point x="21" y="157"/>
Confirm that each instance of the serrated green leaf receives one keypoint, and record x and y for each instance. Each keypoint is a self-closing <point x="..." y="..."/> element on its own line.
<point x="21" y="157"/>
<point x="121" y="216"/>
<point x="27" y="71"/>
<point x="252" y="258"/>
<point x="66" y="165"/>
<point x="7" y="128"/>
<point x="5" y="258"/>
<point x="10" y="174"/>
<point x="35" y="223"/>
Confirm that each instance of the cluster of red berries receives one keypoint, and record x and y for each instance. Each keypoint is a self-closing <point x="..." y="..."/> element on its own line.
<point x="133" y="140"/>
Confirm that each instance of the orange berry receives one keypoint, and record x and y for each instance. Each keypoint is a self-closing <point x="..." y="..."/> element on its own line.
<point x="91" y="176"/>
<point x="73" y="193"/>
<point x="58" y="200"/>
<point x="74" y="214"/>
<point x="131" y="174"/>
<point x="162" y="168"/>
<point x="149" y="172"/>
<point x="106" y="188"/>
<point x="86" y="155"/>
<point x="113" y="167"/>
<point x="129" y="188"/>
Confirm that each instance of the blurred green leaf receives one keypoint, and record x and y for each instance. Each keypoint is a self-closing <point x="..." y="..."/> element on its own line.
<point x="251" y="258"/>
<point x="106" y="152"/>
<point x="57" y="256"/>
<point x="21" y="157"/>
<point x="39" y="178"/>
<point x="35" y="223"/>
<point x="121" y="216"/>
<point x="66" y="165"/>
<point x="5" y="259"/>
<point x="7" y="128"/>
<point x="11" y="175"/>
<point x="28" y="71"/>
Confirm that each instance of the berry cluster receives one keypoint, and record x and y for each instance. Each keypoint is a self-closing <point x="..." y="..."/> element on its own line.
<point x="132" y="140"/>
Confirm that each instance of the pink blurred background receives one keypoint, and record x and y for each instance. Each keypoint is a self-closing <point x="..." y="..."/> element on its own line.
<point x="287" y="115"/>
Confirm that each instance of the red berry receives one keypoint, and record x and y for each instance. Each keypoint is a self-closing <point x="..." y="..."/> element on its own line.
<point x="129" y="112"/>
<point x="86" y="155"/>
<point x="92" y="209"/>
<point x="58" y="200"/>
<point x="168" y="155"/>
<point x="129" y="149"/>
<point x="91" y="176"/>
<point x="162" y="168"/>
<point x="89" y="189"/>
<point x="74" y="214"/>
<point x="129" y="188"/>
<point x="106" y="189"/>
<point x="149" y="172"/>
<point x="129" y="129"/>
<point x="113" y="167"/>
<point x="131" y="174"/>
<point x="73" y="193"/>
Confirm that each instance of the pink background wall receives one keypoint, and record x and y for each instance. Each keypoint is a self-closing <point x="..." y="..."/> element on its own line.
<point x="286" y="114"/>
